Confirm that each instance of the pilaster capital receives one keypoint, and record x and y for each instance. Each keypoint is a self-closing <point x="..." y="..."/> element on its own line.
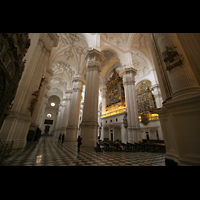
<point x="47" y="41"/>
<point x="68" y="95"/>
<point x="78" y="82"/>
<point x="61" y="105"/>
<point x="103" y="88"/>
<point x="68" y="92"/>
<point x="78" y="78"/>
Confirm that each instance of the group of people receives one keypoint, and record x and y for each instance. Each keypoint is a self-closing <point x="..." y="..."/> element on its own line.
<point x="61" y="138"/>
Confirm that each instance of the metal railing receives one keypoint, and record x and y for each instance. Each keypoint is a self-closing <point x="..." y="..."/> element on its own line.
<point x="5" y="149"/>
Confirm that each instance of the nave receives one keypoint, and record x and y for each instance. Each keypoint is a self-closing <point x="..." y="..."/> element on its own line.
<point x="48" y="152"/>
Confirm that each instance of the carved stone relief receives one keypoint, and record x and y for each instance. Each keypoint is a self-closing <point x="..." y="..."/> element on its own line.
<point x="13" y="47"/>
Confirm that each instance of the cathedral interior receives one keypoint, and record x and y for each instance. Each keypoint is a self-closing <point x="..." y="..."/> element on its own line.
<point x="139" y="89"/>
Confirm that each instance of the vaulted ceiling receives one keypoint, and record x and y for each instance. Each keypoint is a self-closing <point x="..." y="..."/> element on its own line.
<point x="68" y="58"/>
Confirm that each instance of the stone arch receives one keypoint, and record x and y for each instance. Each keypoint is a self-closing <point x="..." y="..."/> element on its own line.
<point x="57" y="92"/>
<point x="110" y="70"/>
<point x="54" y="98"/>
<point x="146" y="80"/>
<point x="114" y="50"/>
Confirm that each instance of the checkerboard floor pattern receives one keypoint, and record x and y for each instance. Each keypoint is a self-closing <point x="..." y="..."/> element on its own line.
<point x="48" y="152"/>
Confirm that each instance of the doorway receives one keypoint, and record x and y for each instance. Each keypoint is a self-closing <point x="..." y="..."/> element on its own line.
<point x="111" y="134"/>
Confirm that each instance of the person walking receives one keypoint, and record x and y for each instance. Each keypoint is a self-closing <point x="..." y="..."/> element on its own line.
<point x="59" y="138"/>
<point x="63" y="136"/>
<point x="79" y="143"/>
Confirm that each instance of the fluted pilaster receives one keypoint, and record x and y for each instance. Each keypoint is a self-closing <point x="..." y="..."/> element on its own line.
<point x="72" y="127"/>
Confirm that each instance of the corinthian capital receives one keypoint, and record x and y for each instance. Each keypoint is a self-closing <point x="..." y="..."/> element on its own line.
<point x="128" y="70"/>
<point x="128" y="74"/>
<point x="93" y="58"/>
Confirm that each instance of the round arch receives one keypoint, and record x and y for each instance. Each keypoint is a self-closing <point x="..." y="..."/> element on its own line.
<point x="144" y="80"/>
<point x="56" y="92"/>
<point x="115" y="51"/>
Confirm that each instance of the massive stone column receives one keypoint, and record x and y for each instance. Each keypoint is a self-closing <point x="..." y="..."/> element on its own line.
<point x="89" y="125"/>
<point x="16" y="125"/>
<point x="40" y="103"/>
<point x="182" y="78"/>
<point x="180" y="114"/>
<point x="133" y="130"/>
<point x="72" y="127"/>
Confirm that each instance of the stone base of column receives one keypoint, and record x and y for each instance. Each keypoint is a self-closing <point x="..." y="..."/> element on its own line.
<point x="19" y="144"/>
<point x="89" y="133"/>
<point x="179" y="120"/>
<point x="71" y="134"/>
<point x="186" y="92"/>
<point x="134" y="134"/>
<point x="15" y="128"/>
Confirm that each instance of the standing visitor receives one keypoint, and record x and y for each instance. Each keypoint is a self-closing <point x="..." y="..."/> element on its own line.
<point x="59" y="138"/>
<point x="63" y="136"/>
<point x="79" y="142"/>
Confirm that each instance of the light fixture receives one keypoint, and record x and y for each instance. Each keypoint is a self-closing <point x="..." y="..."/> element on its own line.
<point x="52" y="104"/>
<point x="49" y="115"/>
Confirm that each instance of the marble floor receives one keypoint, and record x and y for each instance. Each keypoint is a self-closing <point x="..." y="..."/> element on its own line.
<point x="48" y="152"/>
